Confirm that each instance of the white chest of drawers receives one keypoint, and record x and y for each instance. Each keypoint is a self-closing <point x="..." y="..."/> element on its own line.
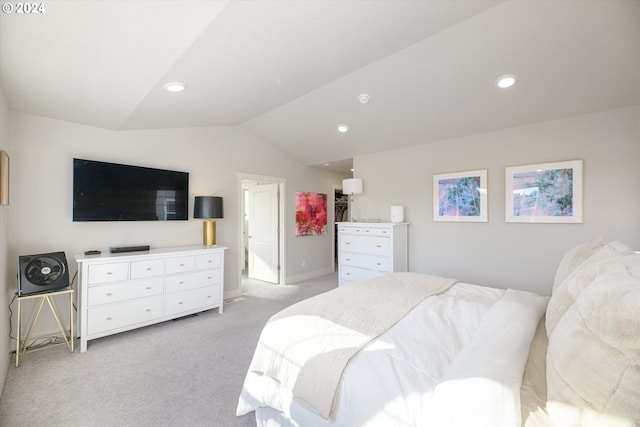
<point x="119" y="292"/>
<point x="367" y="250"/>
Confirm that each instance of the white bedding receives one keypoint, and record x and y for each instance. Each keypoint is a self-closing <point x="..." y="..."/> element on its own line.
<point x="456" y="359"/>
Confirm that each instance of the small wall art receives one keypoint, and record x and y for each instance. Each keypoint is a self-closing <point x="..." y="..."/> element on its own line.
<point x="311" y="214"/>
<point x="544" y="193"/>
<point x="4" y="178"/>
<point x="460" y="196"/>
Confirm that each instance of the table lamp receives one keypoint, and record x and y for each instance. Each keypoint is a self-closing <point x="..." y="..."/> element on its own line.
<point x="352" y="186"/>
<point x="208" y="207"/>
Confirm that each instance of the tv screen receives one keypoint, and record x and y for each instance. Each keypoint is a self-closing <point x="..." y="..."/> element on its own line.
<point x="114" y="192"/>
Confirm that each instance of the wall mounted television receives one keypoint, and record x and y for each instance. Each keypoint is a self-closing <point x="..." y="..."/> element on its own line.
<point x="115" y="192"/>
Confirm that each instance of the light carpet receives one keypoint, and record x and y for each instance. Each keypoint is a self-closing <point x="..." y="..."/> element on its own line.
<point x="187" y="372"/>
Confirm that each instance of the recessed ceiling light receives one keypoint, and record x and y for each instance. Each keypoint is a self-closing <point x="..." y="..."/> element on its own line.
<point x="364" y="98"/>
<point x="343" y="128"/>
<point x="506" y="81"/>
<point x="174" y="86"/>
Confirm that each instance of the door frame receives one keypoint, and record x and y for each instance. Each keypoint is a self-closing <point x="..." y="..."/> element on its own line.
<point x="281" y="219"/>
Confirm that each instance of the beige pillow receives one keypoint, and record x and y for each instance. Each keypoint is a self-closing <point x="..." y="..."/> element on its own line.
<point x="566" y="293"/>
<point x="573" y="259"/>
<point x="593" y="358"/>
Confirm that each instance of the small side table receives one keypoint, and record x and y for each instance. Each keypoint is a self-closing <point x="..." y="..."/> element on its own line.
<point x="21" y="345"/>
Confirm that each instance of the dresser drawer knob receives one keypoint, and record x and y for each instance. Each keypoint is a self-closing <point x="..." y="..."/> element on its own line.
<point x="109" y="318"/>
<point x="209" y="278"/>
<point x="378" y="246"/>
<point x="148" y="268"/>
<point x="180" y="302"/>
<point x="109" y="273"/>
<point x="109" y="294"/>
<point x="180" y="283"/>
<point x="148" y="310"/>
<point x="149" y="288"/>
<point x="181" y="265"/>
<point x="379" y="263"/>
<point x="348" y="274"/>
<point x="348" y="259"/>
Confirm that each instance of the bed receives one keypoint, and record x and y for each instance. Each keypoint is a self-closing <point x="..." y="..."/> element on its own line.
<point x="410" y="349"/>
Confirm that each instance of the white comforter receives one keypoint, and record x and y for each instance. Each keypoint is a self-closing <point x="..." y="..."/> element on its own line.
<point x="456" y="360"/>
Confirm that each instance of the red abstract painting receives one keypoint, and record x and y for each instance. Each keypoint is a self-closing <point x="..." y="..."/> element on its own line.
<point x="311" y="214"/>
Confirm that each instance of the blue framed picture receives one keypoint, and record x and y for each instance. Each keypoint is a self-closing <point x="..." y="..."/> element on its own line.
<point x="544" y="193"/>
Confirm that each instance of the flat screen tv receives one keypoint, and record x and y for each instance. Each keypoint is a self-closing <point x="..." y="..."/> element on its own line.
<point x="114" y="192"/>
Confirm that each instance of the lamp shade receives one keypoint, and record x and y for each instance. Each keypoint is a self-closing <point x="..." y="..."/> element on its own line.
<point x="208" y="207"/>
<point x="352" y="186"/>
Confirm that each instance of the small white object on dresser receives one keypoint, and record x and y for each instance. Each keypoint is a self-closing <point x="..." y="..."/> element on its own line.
<point x="119" y="292"/>
<point x="367" y="250"/>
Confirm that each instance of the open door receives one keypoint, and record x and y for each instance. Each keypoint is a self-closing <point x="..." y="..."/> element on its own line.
<point x="263" y="233"/>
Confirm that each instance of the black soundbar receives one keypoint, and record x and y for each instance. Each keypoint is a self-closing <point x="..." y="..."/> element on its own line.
<point x="120" y="249"/>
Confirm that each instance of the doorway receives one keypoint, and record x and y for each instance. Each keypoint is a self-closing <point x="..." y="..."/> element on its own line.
<point x="262" y="235"/>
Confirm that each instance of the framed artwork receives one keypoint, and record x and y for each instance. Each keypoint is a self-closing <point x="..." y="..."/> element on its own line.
<point x="544" y="193"/>
<point x="460" y="196"/>
<point x="311" y="214"/>
<point x="4" y="178"/>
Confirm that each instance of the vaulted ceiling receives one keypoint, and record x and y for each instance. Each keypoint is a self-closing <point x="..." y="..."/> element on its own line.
<point x="291" y="71"/>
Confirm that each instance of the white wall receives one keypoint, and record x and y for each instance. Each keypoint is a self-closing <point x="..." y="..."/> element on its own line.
<point x="4" y="286"/>
<point x="40" y="210"/>
<point x="522" y="256"/>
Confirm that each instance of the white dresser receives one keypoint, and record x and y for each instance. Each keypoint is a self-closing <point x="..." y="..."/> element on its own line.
<point x="367" y="250"/>
<point x="119" y="292"/>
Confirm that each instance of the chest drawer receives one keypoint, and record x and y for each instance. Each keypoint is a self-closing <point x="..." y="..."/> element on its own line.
<point x="376" y="231"/>
<point x="106" y="294"/>
<point x="199" y="279"/>
<point x="355" y="274"/>
<point x="180" y="264"/>
<point x="208" y="261"/>
<point x="366" y="245"/>
<point x="193" y="299"/>
<point x="124" y="314"/>
<point x="147" y="268"/>
<point x="108" y="273"/>
<point x="371" y="262"/>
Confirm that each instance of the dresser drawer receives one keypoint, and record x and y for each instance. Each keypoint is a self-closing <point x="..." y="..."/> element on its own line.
<point x="354" y="274"/>
<point x="199" y="279"/>
<point x="207" y="261"/>
<point x="371" y="262"/>
<point x="376" y="231"/>
<point x="366" y="245"/>
<point x="108" y="273"/>
<point x="344" y="229"/>
<point x="180" y="264"/>
<point x="106" y="294"/>
<point x="192" y="300"/>
<point x="124" y="314"/>
<point x="147" y="268"/>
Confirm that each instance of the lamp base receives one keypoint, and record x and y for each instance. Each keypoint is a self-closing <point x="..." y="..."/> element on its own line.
<point x="209" y="232"/>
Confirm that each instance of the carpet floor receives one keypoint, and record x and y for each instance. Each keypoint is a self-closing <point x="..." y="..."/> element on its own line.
<point x="187" y="372"/>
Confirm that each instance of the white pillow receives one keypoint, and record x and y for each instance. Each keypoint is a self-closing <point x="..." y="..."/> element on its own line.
<point x="566" y="293"/>
<point x="593" y="358"/>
